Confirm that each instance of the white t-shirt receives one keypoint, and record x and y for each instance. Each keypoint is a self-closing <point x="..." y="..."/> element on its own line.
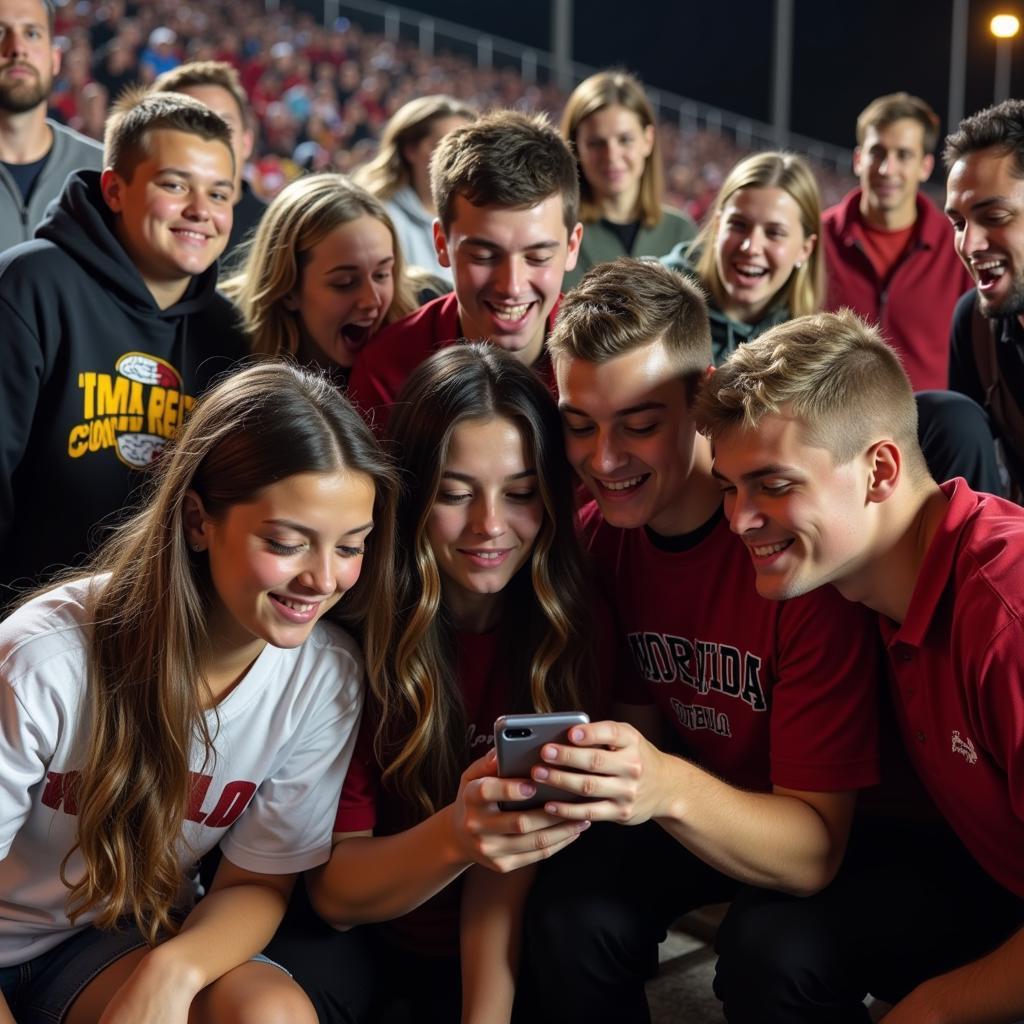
<point x="283" y="738"/>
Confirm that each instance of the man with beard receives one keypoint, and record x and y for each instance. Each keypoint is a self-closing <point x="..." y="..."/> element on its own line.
<point x="36" y="154"/>
<point x="985" y="203"/>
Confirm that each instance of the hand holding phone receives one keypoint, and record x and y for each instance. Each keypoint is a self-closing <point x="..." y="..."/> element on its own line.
<point x="518" y="740"/>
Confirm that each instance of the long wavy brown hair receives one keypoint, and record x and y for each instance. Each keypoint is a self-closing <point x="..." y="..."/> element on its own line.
<point x="422" y="732"/>
<point x="147" y="693"/>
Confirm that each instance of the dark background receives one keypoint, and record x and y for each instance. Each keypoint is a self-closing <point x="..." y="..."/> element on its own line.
<point x="844" y="54"/>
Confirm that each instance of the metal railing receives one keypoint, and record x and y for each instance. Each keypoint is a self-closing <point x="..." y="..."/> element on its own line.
<point x="435" y="35"/>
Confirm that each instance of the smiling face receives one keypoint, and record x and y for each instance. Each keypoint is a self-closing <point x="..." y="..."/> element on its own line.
<point x="173" y="216"/>
<point x="613" y="147"/>
<point x="28" y="59"/>
<point x="758" y="243"/>
<point x="891" y="164"/>
<point x="485" y="518"/>
<point x="345" y="291"/>
<point x="281" y="561"/>
<point x="629" y="435"/>
<point x="985" y="204"/>
<point x="805" y="520"/>
<point x="508" y="266"/>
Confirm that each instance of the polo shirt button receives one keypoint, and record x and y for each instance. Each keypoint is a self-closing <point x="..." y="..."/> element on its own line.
<point x="906" y="654"/>
<point x="919" y="736"/>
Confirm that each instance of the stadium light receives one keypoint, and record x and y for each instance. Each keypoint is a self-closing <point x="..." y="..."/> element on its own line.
<point x="1004" y="27"/>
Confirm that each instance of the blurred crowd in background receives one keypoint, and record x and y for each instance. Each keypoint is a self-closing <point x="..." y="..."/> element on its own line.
<point x="320" y="96"/>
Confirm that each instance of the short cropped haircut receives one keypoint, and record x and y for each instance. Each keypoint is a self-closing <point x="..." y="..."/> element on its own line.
<point x="832" y="371"/>
<point x="628" y="303"/>
<point x="1000" y="128"/>
<point x="504" y="159"/>
<point x="205" y="72"/>
<point x="899" y="106"/>
<point x="136" y="114"/>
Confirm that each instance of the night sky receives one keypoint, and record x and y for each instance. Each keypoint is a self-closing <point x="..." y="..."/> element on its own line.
<point x="720" y="53"/>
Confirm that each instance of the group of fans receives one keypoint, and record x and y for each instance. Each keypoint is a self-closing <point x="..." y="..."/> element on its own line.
<point x="312" y="492"/>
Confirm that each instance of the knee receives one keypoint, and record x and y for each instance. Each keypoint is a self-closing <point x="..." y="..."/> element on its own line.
<point x="259" y="999"/>
<point x="771" y="944"/>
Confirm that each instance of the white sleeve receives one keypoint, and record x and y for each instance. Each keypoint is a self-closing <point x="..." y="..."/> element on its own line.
<point x="287" y="826"/>
<point x="26" y="748"/>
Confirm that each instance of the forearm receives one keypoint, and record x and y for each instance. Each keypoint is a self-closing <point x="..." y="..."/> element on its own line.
<point x="771" y="840"/>
<point x="224" y="930"/>
<point x="6" y="1017"/>
<point x="986" y="991"/>
<point x="490" y="937"/>
<point x="376" y="878"/>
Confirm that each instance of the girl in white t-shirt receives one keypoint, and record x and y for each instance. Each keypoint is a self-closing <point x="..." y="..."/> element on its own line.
<point x="191" y="691"/>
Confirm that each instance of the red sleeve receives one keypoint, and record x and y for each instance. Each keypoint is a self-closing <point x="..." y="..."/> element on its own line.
<point x="369" y="391"/>
<point x="357" y="808"/>
<point x="824" y="716"/>
<point x="1000" y="710"/>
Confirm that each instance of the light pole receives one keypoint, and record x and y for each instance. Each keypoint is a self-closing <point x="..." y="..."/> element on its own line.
<point x="1004" y="27"/>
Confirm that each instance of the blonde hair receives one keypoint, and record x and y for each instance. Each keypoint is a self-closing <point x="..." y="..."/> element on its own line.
<point x="299" y="217"/>
<point x="627" y="303"/>
<point x="389" y="170"/>
<point x="616" y="89"/>
<point x="804" y="292"/>
<point x="832" y="371"/>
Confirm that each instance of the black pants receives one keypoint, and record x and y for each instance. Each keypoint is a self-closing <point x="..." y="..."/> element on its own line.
<point x="595" y="917"/>
<point x="909" y="903"/>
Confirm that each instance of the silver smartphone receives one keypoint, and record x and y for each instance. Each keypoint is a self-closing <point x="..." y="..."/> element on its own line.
<point x="518" y="739"/>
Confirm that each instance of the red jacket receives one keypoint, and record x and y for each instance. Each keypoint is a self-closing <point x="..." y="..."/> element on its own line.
<point x="914" y="308"/>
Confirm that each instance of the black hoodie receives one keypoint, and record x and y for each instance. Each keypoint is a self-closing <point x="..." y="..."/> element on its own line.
<point x="94" y="378"/>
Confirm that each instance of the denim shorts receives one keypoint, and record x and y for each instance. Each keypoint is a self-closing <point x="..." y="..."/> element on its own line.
<point x="41" y="990"/>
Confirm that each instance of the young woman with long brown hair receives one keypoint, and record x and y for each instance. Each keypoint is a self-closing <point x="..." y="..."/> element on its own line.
<point x="194" y="689"/>
<point x="493" y="615"/>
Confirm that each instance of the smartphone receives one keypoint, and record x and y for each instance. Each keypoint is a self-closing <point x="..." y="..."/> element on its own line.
<point x="518" y="739"/>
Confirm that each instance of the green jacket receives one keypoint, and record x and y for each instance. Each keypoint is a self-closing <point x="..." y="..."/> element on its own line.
<point x="600" y="245"/>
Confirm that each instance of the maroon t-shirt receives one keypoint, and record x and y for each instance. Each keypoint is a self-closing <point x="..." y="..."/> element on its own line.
<point x="385" y="364"/>
<point x="757" y="691"/>
<point x="487" y="694"/>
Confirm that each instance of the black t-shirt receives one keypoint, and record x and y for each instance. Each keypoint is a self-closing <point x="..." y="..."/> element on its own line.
<point x="25" y="175"/>
<point x="625" y="233"/>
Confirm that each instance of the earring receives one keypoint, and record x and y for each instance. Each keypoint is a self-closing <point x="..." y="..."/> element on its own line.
<point x="798" y="264"/>
<point x="197" y="548"/>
